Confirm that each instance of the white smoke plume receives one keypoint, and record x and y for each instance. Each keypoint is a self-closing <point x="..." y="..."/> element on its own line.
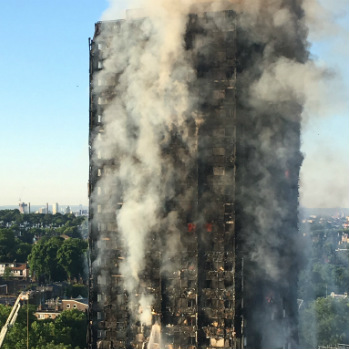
<point x="151" y="98"/>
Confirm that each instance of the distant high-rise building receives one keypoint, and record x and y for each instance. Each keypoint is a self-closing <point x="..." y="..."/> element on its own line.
<point x="23" y="207"/>
<point x="55" y="208"/>
<point x="219" y="267"/>
<point x="43" y="210"/>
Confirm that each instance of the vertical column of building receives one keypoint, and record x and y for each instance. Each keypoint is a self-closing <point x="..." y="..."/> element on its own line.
<point x="96" y="294"/>
<point x="150" y="285"/>
<point x="232" y="337"/>
<point x="91" y="333"/>
<point x="93" y="235"/>
<point x="216" y="180"/>
<point x="109" y="315"/>
<point x="266" y="206"/>
<point x="180" y="268"/>
<point x="180" y="298"/>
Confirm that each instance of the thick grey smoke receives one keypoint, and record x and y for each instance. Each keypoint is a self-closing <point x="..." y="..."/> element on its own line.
<point x="152" y="98"/>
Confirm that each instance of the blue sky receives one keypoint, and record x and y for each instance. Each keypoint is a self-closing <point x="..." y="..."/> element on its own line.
<point x="44" y="99"/>
<point x="44" y="107"/>
<point x="325" y="137"/>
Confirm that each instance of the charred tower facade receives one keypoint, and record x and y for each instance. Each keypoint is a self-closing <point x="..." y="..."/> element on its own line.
<point x="220" y="268"/>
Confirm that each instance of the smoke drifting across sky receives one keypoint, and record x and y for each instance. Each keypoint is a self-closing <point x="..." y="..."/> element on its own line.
<point x="324" y="87"/>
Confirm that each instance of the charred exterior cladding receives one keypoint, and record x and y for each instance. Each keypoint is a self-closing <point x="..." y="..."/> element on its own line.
<point x="232" y="281"/>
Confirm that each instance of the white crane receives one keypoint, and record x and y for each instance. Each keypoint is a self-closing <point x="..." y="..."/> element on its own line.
<point x="11" y="318"/>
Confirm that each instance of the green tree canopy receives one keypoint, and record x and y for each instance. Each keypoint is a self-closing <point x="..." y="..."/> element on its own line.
<point x="55" y="259"/>
<point x="7" y="245"/>
<point x="8" y="216"/>
<point x="71" y="328"/>
<point x="71" y="256"/>
<point x="325" y="322"/>
<point x="4" y="313"/>
<point x="68" y="331"/>
<point x="43" y="260"/>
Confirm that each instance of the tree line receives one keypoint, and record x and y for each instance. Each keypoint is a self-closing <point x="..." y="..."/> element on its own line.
<point x="68" y="331"/>
<point x="16" y="228"/>
<point x="56" y="220"/>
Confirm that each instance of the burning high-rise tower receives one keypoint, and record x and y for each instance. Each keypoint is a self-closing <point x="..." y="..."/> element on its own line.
<point x="194" y="179"/>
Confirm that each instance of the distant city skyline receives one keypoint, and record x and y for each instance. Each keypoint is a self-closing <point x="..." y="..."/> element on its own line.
<point x="34" y="208"/>
<point x="44" y="104"/>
